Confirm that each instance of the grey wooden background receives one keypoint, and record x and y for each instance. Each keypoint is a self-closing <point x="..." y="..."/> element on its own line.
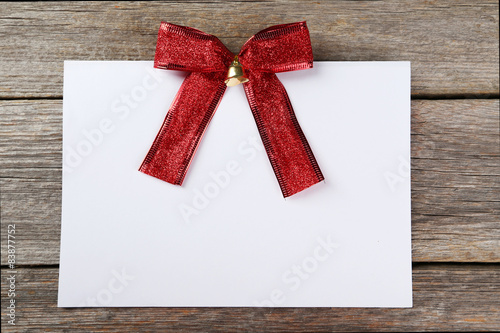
<point x="453" y="47"/>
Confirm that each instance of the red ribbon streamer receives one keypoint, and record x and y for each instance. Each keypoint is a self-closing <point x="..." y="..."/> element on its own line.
<point x="280" y="48"/>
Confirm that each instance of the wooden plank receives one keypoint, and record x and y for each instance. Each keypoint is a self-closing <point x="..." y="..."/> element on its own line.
<point x="455" y="179"/>
<point x="453" y="45"/>
<point x="446" y="298"/>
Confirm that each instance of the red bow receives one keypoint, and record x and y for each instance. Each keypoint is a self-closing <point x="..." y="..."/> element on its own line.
<point x="280" y="48"/>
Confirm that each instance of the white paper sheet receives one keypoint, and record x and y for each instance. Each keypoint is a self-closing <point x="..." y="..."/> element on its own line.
<point x="227" y="237"/>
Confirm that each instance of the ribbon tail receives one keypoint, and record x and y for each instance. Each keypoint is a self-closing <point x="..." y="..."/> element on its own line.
<point x="289" y="152"/>
<point x="187" y="119"/>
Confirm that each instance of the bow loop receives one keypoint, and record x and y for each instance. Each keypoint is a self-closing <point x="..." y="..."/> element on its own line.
<point x="281" y="48"/>
<point x="188" y="49"/>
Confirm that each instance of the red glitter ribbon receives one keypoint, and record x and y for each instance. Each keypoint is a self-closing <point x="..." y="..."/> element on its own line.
<point x="280" y="48"/>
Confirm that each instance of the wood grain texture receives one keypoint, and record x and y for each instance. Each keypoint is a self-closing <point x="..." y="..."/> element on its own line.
<point x="455" y="179"/>
<point x="453" y="45"/>
<point x="446" y="297"/>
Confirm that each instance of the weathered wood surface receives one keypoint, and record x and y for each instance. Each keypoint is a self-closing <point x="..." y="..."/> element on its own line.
<point x="446" y="298"/>
<point x="455" y="179"/>
<point x="453" y="45"/>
